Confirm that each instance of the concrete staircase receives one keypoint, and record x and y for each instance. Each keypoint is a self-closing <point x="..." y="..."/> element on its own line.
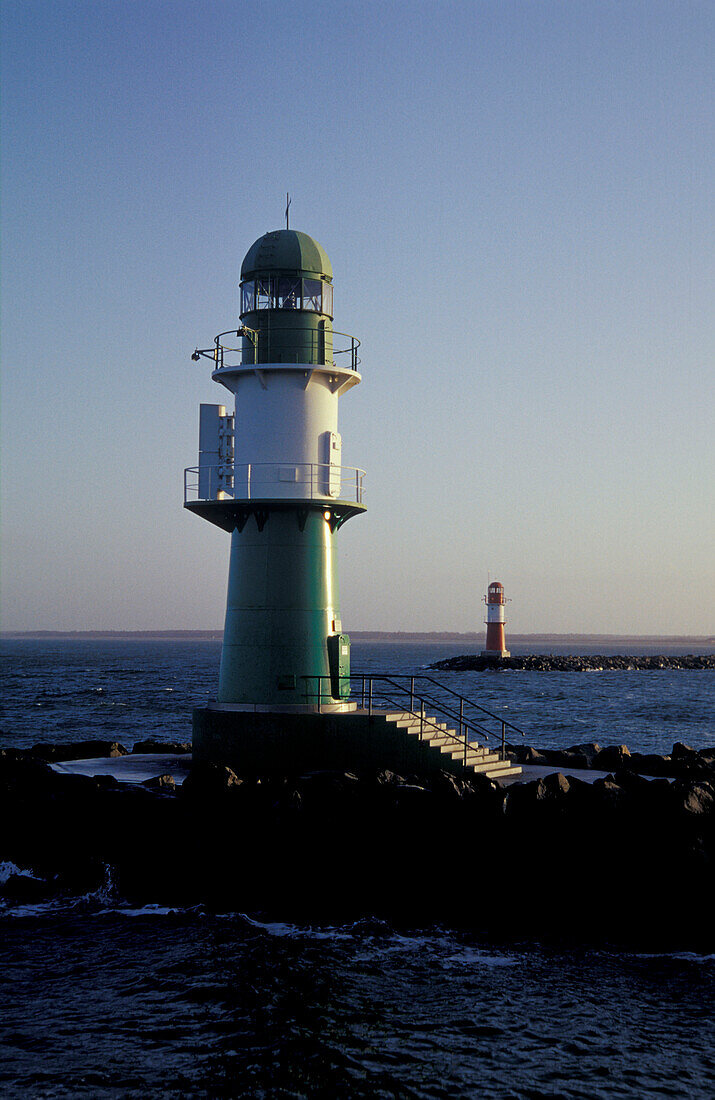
<point x="442" y="745"/>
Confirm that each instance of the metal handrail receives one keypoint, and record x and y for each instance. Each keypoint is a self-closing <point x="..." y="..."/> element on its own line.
<point x="239" y="481"/>
<point x="221" y="352"/>
<point x="461" y="738"/>
<point x="466" y="699"/>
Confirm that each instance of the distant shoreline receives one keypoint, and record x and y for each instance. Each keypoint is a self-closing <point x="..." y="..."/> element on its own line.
<point x="427" y="637"/>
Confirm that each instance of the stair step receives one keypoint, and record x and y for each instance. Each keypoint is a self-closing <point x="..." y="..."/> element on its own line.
<point x="457" y="751"/>
<point x="495" y="771"/>
<point x="453" y="743"/>
<point x="480" y="761"/>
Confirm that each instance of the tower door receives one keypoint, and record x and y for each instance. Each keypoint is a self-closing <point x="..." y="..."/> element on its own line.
<point x="331" y="466"/>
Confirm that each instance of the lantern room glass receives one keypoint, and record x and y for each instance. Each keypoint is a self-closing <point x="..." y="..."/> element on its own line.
<point x="271" y="292"/>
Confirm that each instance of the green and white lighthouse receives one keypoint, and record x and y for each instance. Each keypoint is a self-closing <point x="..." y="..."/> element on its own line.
<point x="270" y="473"/>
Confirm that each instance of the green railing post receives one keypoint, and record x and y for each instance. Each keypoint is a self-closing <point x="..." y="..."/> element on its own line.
<point x="503" y="740"/>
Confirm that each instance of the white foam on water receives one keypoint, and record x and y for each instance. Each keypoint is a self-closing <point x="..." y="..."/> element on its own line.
<point x="473" y="957"/>
<point x="277" y="928"/>
<point x="151" y="910"/>
<point x="8" y="869"/>
<point x="37" y="909"/>
<point x="679" y="956"/>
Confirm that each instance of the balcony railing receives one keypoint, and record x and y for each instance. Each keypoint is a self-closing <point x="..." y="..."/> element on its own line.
<point x="274" y="481"/>
<point x="318" y="347"/>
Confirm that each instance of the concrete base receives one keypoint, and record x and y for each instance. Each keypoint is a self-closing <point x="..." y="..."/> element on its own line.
<point x="278" y="743"/>
<point x="495" y="653"/>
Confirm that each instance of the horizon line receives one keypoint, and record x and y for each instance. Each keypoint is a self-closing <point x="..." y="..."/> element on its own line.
<point x="447" y="635"/>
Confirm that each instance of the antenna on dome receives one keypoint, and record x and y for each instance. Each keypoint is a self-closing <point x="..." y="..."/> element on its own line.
<point x="288" y="202"/>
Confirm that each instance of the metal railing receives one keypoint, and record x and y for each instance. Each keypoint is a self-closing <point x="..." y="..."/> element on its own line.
<point x="274" y="481"/>
<point x="318" y="347"/>
<point x="412" y="697"/>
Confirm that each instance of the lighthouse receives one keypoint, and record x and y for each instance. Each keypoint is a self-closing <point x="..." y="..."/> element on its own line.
<point x="495" y="601"/>
<point x="270" y="474"/>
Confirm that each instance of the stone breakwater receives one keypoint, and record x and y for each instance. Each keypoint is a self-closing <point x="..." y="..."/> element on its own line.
<point x="470" y="662"/>
<point x="624" y="859"/>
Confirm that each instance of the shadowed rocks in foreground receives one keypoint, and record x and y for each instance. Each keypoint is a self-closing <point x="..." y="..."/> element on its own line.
<point x="623" y="859"/>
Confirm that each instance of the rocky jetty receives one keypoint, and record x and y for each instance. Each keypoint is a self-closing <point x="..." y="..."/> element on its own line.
<point x="626" y="858"/>
<point x="471" y="662"/>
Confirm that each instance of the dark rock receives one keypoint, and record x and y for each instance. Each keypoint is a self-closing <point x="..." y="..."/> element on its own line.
<point x="161" y="747"/>
<point x="696" y="799"/>
<point x="550" y="792"/>
<point x="208" y="781"/>
<point x="448" y="786"/>
<point x="632" y="782"/>
<point x="556" y="663"/>
<point x="20" y="770"/>
<point x="650" y="764"/>
<point x="564" y="758"/>
<point x="161" y="783"/>
<point x="386" y="777"/>
<point x="79" y="750"/>
<point x="530" y="755"/>
<point x="589" y="749"/>
<point x="25" y="888"/>
<point x="684" y="752"/>
<point x="611" y="758"/>
<point x="552" y="788"/>
<point x="609" y="792"/>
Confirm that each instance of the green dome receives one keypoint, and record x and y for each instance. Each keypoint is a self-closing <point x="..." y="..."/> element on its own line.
<point x="286" y="251"/>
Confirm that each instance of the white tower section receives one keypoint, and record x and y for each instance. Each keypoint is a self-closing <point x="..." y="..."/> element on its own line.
<point x="287" y="445"/>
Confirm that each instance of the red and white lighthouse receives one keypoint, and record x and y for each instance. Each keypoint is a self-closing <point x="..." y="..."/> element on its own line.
<point x="495" y="601"/>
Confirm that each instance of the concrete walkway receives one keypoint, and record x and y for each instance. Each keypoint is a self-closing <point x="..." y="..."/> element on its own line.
<point x="137" y="767"/>
<point x="134" y="768"/>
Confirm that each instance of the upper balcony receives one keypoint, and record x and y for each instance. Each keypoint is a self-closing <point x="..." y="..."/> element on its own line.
<point x="318" y="346"/>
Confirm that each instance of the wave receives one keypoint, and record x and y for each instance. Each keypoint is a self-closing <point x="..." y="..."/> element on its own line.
<point x="8" y="869"/>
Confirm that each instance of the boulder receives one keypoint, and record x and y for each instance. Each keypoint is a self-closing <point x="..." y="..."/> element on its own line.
<point x="684" y="752"/>
<point x="564" y="758"/>
<point x="650" y="764"/>
<point x="611" y="758"/>
<point x="161" y="747"/>
<point x="696" y="799"/>
<point x="208" y="781"/>
<point x="589" y="749"/>
<point x="449" y="786"/>
<point x="20" y="771"/>
<point x="165" y="783"/>
<point x="552" y="788"/>
<point x="25" y="889"/>
<point x="609" y="792"/>
<point x="548" y="793"/>
<point x="527" y="754"/>
<point x="79" y="750"/>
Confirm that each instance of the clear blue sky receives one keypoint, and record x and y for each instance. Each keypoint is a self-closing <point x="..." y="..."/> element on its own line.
<point x="517" y="199"/>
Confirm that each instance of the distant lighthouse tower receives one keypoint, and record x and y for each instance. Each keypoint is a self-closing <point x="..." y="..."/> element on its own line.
<point x="495" y="601"/>
<point x="271" y="474"/>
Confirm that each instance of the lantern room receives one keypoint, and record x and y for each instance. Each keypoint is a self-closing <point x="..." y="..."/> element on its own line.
<point x="287" y="300"/>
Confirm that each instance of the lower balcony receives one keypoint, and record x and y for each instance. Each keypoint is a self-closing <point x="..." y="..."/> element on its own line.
<point x="275" y="481"/>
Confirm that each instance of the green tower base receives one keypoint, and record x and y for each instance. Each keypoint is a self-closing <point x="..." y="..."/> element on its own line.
<point x="269" y="743"/>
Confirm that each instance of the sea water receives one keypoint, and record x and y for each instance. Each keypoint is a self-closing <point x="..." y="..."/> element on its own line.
<point x="100" y="999"/>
